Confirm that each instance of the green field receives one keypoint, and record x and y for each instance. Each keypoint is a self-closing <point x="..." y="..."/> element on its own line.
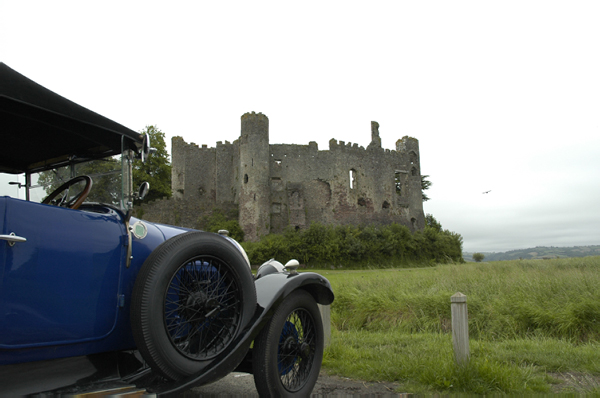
<point x="532" y="324"/>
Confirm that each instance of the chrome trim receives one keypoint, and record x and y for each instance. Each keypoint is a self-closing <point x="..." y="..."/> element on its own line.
<point x="12" y="238"/>
<point x="239" y="247"/>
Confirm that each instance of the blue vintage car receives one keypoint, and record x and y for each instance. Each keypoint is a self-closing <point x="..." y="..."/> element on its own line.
<point x="95" y="300"/>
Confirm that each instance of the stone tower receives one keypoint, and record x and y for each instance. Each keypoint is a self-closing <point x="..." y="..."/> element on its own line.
<point x="410" y="146"/>
<point x="254" y="189"/>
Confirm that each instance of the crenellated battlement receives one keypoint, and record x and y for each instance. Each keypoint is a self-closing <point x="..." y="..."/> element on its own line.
<point x="343" y="145"/>
<point x="254" y="115"/>
<point x="221" y="144"/>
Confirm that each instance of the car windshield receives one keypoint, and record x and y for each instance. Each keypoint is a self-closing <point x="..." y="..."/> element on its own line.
<point x="106" y="175"/>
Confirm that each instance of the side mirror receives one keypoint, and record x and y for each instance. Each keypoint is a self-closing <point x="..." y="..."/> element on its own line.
<point x="143" y="190"/>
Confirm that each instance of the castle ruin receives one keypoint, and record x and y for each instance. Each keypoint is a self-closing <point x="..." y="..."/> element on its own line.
<point x="280" y="185"/>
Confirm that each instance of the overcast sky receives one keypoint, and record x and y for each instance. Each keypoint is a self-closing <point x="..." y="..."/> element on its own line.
<point x="502" y="96"/>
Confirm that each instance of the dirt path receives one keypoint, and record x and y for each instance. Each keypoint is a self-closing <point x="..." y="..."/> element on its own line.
<point x="242" y="384"/>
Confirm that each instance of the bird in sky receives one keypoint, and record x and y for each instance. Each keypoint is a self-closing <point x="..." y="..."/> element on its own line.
<point x="487" y="191"/>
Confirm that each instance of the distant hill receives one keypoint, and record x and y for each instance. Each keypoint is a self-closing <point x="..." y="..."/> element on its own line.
<point x="539" y="252"/>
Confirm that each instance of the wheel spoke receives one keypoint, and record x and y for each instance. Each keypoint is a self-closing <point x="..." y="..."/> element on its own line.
<point x="296" y="350"/>
<point x="201" y="307"/>
<point x="181" y="287"/>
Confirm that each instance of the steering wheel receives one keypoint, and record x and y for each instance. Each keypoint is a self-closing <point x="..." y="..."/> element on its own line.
<point x="76" y="200"/>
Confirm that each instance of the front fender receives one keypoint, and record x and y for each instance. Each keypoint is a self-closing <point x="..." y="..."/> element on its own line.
<point x="271" y="291"/>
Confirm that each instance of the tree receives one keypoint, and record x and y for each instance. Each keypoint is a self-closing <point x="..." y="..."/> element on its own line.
<point x="156" y="170"/>
<point x="425" y="184"/>
<point x="478" y="257"/>
<point x="105" y="173"/>
<point x="430" y="221"/>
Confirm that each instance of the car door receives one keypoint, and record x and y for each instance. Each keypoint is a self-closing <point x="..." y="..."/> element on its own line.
<point x="3" y="242"/>
<point x="61" y="286"/>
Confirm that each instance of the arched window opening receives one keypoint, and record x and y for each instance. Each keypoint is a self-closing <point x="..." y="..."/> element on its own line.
<point x="398" y="183"/>
<point x="276" y="208"/>
<point x="413" y="157"/>
<point x="295" y="200"/>
<point x="245" y="178"/>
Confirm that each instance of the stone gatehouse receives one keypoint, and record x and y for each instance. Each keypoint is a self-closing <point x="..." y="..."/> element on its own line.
<point x="280" y="185"/>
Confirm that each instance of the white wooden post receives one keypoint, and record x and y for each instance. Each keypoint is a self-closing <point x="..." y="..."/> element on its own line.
<point x="326" y="317"/>
<point x="460" y="328"/>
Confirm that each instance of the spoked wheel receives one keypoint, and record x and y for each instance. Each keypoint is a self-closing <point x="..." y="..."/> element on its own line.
<point x="288" y="352"/>
<point x="203" y="307"/>
<point x="191" y="299"/>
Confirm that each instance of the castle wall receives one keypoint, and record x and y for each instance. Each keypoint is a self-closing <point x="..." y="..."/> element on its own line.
<point x="276" y="186"/>
<point x="193" y="171"/>
<point x="308" y="185"/>
<point x="227" y="159"/>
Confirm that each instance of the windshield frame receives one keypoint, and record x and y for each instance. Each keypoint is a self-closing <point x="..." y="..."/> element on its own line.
<point x="117" y="194"/>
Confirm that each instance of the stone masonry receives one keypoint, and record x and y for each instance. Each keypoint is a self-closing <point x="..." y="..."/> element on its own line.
<point x="276" y="186"/>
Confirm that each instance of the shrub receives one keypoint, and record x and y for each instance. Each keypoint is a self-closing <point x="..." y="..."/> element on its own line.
<point x="355" y="247"/>
<point x="478" y="257"/>
<point x="219" y="220"/>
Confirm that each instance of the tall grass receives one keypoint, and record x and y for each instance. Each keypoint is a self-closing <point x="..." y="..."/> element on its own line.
<point x="526" y="318"/>
<point x="554" y="298"/>
<point x="424" y="362"/>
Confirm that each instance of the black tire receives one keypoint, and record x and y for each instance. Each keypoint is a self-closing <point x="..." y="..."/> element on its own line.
<point x="287" y="354"/>
<point x="192" y="297"/>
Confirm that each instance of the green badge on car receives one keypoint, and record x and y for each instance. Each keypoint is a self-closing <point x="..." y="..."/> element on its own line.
<point x="139" y="230"/>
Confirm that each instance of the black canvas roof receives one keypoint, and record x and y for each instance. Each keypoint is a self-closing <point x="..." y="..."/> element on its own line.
<point x="39" y="128"/>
